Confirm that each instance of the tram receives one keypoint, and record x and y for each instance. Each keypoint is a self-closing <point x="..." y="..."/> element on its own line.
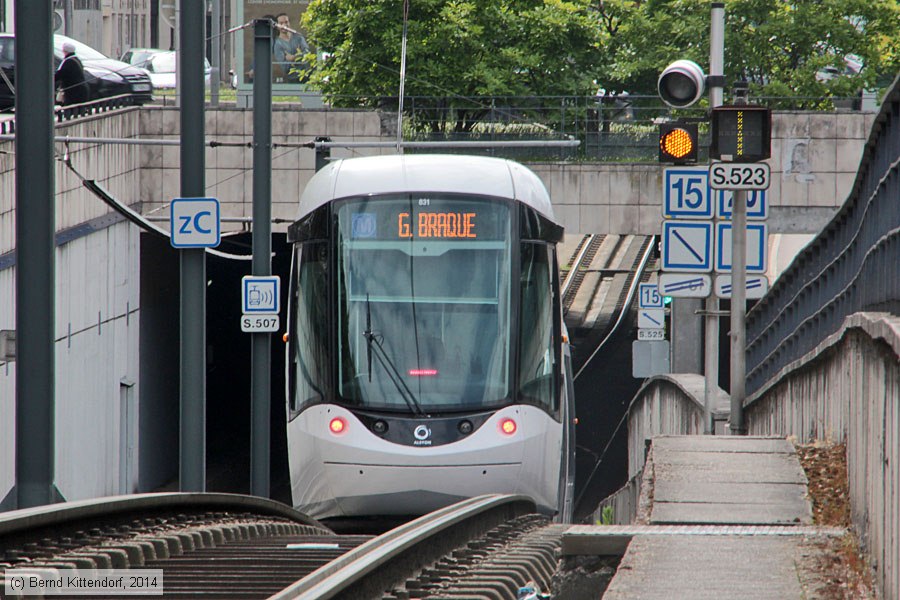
<point x="427" y="357"/>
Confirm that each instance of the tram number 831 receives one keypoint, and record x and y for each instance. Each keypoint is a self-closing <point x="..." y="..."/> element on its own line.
<point x="739" y="176"/>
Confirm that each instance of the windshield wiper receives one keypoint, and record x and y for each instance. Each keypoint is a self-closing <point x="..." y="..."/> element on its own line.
<point x="373" y="342"/>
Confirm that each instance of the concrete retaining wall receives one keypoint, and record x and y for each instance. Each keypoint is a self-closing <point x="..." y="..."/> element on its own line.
<point x="811" y="178"/>
<point x="848" y="389"/>
<point x="97" y="313"/>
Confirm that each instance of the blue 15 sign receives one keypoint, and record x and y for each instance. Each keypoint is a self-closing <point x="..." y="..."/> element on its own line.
<point x="686" y="193"/>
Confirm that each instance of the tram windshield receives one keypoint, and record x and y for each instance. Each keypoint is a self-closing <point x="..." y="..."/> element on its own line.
<point x="423" y="302"/>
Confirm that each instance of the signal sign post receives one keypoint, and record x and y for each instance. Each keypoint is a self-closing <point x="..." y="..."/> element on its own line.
<point x="740" y="133"/>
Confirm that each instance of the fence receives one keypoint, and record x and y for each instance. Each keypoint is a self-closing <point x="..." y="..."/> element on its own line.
<point x="619" y="128"/>
<point x="850" y="267"/>
<point x="67" y="113"/>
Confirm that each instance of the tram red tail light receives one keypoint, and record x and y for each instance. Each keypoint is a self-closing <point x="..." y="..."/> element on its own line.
<point x="508" y="426"/>
<point x="337" y="425"/>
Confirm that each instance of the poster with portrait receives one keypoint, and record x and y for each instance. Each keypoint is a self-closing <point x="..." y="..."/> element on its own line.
<point x="288" y="47"/>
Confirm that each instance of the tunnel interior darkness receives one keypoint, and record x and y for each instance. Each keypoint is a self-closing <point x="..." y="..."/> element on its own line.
<point x="227" y="373"/>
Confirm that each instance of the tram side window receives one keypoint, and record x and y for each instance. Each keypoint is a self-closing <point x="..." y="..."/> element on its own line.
<point x="538" y="358"/>
<point x="308" y="367"/>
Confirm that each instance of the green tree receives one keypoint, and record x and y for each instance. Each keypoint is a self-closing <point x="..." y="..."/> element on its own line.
<point x="456" y="49"/>
<point x="782" y="47"/>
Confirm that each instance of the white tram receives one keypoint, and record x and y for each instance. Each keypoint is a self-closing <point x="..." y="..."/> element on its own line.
<point x="427" y="358"/>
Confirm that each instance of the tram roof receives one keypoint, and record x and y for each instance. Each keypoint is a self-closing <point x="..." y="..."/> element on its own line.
<point x="441" y="173"/>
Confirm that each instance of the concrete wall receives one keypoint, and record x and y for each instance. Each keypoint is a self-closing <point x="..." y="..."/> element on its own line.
<point x="229" y="169"/>
<point x="97" y="314"/>
<point x="814" y="162"/>
<point x="848" y="390"/>
<point x="668" y="405"/>
<point x="811" y="178"/>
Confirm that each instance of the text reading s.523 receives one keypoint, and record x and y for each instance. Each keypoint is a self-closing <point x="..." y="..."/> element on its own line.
<point x="739" y="176"/>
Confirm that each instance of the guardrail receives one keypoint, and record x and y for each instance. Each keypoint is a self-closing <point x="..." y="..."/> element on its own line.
<point x="850" y="267"/>
<point x="75" y="111"/>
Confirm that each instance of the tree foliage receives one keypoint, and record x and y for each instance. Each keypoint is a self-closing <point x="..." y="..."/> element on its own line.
<point x="475" y="48"/>
<point x="455" y="49"/>
<point x="782" y="47"/>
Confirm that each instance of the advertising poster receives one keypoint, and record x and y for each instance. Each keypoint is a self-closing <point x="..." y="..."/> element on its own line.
<point x="287" y="50"/>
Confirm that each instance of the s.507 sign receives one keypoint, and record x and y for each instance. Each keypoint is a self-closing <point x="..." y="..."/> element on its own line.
<point x="739" y="176"/>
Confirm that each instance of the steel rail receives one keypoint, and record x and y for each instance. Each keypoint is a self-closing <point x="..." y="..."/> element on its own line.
<point x="576" y="264"/>
<point x="638" y="273"/>
<point x="351" y="569"/>
<point x="55" y="515"/>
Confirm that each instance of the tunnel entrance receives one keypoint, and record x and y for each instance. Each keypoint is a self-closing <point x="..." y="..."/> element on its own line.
<point x="227" y="370"/>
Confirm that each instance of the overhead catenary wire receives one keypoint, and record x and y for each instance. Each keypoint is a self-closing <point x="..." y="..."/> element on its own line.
<point x="133" y="216"/>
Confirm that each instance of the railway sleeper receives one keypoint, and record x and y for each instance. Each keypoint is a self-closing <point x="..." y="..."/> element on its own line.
<point x="501" y="566"/>
<point x="474" y="592"/>
<point x="494" y="580"/>
<point x="531" y="564"/>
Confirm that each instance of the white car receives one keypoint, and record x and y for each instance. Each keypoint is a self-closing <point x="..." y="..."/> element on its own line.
<point x="161" y="65"/>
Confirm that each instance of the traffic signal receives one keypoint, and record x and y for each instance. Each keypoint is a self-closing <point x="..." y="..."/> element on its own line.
<point x="681" y="83"/>
<point x="741" y="133"/>
<point x="678" y="143"/>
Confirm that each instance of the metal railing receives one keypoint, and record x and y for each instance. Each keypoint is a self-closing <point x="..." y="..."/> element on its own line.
<point x="850" y="267"/>
<point x="610" y="127"/>
<point x="75" y="111"/>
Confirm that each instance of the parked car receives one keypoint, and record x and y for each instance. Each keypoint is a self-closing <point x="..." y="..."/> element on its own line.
<point x="161" y="64"/>
<point x="105" y="77"/>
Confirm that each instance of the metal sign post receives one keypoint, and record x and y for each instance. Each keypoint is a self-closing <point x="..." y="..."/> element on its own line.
<point x="738" y="311"/>
<point x="36" y="258"/>
<point x="192" y="435"/>
<point x="740" y="134"/>
<point x="716" y="82"/>
<point x="261" y="342"/>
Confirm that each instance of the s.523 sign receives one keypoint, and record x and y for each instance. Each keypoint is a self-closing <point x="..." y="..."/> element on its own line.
<point x="739" y="176"/>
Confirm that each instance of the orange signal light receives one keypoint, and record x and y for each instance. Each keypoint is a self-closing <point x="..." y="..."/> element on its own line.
<point x="678" y="143"/>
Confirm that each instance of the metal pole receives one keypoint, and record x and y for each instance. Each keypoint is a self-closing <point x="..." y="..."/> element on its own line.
<point x="738" y="310"/>
<point x="215" y="76"/>
<point x="35" y="255"/>
<point x="738" y="294"/>
<point x="402" y="91"/>
<point x="261" y="344"/>
<point x="193" y="260"/>
<point x="711" y="353"/>
<point x="69" y="14"/>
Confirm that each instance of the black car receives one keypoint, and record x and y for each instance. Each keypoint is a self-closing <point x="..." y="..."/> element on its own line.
<point x="105" y="76"/>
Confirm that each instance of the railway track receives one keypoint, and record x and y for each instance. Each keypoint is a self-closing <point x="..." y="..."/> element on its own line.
<point x="597" y="284"/>
<point x="229" y="546"/>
